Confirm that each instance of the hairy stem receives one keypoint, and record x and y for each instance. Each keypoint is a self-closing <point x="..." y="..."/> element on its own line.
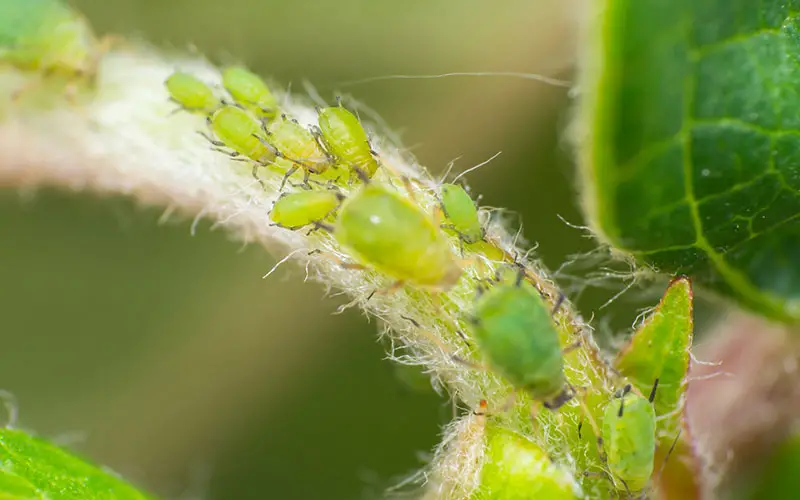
<point x="125" y="138"/>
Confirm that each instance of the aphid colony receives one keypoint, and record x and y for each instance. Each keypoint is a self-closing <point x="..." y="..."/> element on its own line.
<point x="387" y="231"/>
<point x="377" y="225"/>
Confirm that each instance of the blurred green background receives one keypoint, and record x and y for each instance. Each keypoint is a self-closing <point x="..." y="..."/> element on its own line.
<point x="165" y="356"/>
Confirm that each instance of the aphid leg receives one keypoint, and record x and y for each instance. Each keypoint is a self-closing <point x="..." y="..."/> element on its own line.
<point x="394" y="287"/>
<point x="657" y="480"/>
<point x="210" y="139"/>
<point x="320" y="140"/>
<point x="372" y="151"/>
<point x="559" y="302"/>
<point x="293" y="169"/>
<point x="353" y="266"/>
<point x="630" y="495"/>
<point x="571" y="347"/>
<point x="461" y="243"/>
<point x="520" y="277"/>
<point x="325" y="227"/>
<point x="255" y="174"/>
<point x="306" y="177"/>
<point x="361" y="174"/>
<point x="464" y="338"/>
<point x="562" y="398"/>
<point x="35" y="81"/>
<point x="409" y="188"/>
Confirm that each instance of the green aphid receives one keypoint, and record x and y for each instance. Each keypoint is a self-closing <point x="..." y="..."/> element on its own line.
<point x="346" y="139"/>
<point x="515" y="332"/>
<point x="240" y="132"/>
<point x="516" y="468"/>
<point x="49" y="37"/>
<point x="388" y="232"/>
<point x="191" y="94"/>
<point x="295" y="147"/>
<point x="295" y="210"/>
<point x="461" y="213"/>
<point x="250" y="91"/>
<point x="629" y="439"/>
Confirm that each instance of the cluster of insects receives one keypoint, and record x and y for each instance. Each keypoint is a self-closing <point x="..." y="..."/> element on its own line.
<point x="385" y="230"/>
<point x="335" y="166"/>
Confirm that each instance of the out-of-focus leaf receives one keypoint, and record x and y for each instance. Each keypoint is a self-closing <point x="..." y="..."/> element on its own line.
<point x="31" y="468"/>
<point x="690" y="158"/>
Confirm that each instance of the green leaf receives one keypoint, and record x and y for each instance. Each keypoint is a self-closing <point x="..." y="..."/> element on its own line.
<point x="31" y="468"/>
<point x="691" y="159"/>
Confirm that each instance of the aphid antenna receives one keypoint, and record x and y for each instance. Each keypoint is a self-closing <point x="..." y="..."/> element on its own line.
<point x="313" y="94"/>
<point x="511" y="74"/>
<point x="653" y="391"/>
<point x="476" y="167"/>
<point x="447" y="171"/>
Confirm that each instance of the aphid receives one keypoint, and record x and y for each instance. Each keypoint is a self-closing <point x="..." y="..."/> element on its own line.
<point x="516" y="334"/>
<point x="346" y="139"/>
<point x="391" y="234"/>
<point x="629" y="439"/>
<point x="295" y="210"/>
<point x="49" y="37"/>
<point x="250" y="91"/>
<point x="295" y="147"/>
<point x="461" y="212"/>
<point x="190" y="93"/>
<point x="237" y="130"/>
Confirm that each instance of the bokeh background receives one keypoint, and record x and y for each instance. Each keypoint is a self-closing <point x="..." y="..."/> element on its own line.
<point x="164" y="355"/>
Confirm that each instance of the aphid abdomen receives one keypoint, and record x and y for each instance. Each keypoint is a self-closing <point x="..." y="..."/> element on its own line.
<point x="250" y="91"/>
<point x="296" y="148"/>
<point x="191" y="93"/>
<point x="461" y="212"/>
<point x="346" y="139"/>
<point x="303" y="207"/>
<point x="388" y="232"/>
<point x="241" y="132"/>
<point x="516" y="334"/>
